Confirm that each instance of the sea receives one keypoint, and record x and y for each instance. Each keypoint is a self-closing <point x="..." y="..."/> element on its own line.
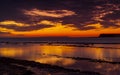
<point x="85" y="54"/>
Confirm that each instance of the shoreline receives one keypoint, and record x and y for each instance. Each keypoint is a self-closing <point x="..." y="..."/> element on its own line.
<point x="10" y="66"/>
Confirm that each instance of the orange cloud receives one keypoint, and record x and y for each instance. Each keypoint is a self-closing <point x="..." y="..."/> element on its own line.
<point x="49" y="13"/>
<point x="20" y="26"/>
<point x="96" y="26"/>
<point x="59" y="29"/>
<point x="117" y="22"/>
<point x="5" y="30"/>
<point x="13" y="23"/>
<point x="46" y="22"/>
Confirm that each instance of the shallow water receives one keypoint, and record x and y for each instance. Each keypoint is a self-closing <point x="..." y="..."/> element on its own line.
<point x="58" y="55"/>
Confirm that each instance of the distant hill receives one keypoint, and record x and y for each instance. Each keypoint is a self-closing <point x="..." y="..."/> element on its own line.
<point x="109" y="35"/>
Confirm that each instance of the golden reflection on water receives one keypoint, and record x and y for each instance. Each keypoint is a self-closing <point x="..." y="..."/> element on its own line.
<point x="45" y="54"/>
<point x="97" y="52"/>
<point x="11" y="52"/>
<point x="57" y="50"/>
<point x="34" y="51"/>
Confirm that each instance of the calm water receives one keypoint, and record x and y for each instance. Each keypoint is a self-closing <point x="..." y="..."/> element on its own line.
<point x="57" y="55"/>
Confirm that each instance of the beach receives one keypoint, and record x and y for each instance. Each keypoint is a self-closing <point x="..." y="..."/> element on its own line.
<point x="11" y="66"/>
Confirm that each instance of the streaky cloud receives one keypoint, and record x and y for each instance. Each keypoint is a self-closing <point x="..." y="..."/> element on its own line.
<point x="49" y="13"/>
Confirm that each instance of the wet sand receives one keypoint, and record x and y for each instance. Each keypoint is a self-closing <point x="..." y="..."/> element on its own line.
<point x="9" y="66"/>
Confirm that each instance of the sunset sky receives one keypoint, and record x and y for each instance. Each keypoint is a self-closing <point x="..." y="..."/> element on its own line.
<point x="64" y="18"/>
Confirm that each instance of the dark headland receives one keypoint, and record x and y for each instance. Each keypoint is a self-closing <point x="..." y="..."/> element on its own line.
<point x="109" y="35"/>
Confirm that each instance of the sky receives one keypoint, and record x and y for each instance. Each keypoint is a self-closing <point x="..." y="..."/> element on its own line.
<point x="59" y="18"/>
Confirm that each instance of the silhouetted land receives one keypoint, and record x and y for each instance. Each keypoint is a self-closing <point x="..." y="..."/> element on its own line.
<point x="109" y="35"/>
<point x="9" y="66"/>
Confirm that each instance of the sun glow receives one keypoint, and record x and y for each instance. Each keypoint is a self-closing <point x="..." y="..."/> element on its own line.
<point x="58" y="29"/>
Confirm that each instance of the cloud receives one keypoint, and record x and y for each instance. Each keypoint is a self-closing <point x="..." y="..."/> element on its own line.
<point x="5" y="30"/>
<point x="117" y="21"/>
<point x="46" y="22"/>
<point x="2" y="33"/>
<point x="70" y="31"/>
<point x="79" y="13"/>
<point x="95" y="26"/>
<point x="57" y="24"/>
<point x="102" y="11"/>
<point x="13" y="23"/>
<point x="72" y="15"/>
<point x="49" y="13"/>
<point x="19" y="26"/>
<point x="101" y="14"/>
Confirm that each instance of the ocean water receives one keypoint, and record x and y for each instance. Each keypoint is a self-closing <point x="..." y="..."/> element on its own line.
<point x="73" y="56"/>
<point x="64" y="39"/>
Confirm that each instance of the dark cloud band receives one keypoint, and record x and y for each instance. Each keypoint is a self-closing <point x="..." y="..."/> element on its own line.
<point x="105" y="12"/>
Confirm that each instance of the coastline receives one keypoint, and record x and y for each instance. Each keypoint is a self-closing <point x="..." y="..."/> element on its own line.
<point x="10" y="66"/>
